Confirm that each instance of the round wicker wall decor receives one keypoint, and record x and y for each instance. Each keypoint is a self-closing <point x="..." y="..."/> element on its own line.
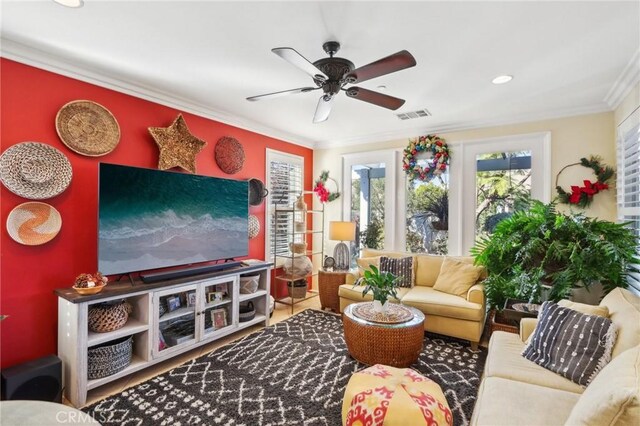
<point x="33" y="223"/>
<point x="34" y="170"/>
<point x="87" y="128"/>
<point x="254" y="226"/>
<point x="229" y="155"/>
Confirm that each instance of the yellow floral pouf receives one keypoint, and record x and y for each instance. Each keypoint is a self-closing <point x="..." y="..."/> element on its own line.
<point x="382" y="395"/>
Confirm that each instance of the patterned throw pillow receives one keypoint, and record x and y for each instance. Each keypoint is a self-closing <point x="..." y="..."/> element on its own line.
<point x="575" y="345"/>
<point x="401" y="268"/>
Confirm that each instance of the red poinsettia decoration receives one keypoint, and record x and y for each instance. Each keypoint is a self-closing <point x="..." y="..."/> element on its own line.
<point x="582" y="196"/>
<point x="324" y="195"/>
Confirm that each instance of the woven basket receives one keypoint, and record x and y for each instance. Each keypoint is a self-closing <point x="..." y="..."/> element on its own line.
<point x="109" y="358"/>
<point x="499" y="323"/>
<point x="247" y="312"/>
<point x="105" y="317"/>
<point x="87" y="128"/>
<point x="249" y="283"/>
<point x="297" y="292"/>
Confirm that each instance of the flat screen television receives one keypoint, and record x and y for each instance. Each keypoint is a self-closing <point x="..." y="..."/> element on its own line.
<point x="151" y="219"/>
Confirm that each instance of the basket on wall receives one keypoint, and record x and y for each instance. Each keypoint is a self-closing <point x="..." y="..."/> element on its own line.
<point x="105" y="317"/>
<point x="297" y="289"/>
<point x="109" y="358"/>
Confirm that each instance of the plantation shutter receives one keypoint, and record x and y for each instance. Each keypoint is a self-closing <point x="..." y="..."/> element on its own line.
<point x="284" y="179"/>
<point x="628" y="180"/>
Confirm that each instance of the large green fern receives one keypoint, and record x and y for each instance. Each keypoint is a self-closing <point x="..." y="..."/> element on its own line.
<point x="542" y="246"/>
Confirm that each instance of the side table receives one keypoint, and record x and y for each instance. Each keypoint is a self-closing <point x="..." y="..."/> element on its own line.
<point x="328" y="283"/>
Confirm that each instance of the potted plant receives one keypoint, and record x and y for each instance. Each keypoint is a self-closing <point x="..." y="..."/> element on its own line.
<point x="381" y="284"/>
<point x="541" y="247"/>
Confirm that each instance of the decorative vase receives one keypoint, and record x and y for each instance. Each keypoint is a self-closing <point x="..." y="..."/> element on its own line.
<point x="380" y="307"/>
<point x="300" y="204"/>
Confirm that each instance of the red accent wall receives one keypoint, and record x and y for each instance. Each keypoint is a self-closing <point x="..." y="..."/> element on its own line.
<point x="30" y="99"/>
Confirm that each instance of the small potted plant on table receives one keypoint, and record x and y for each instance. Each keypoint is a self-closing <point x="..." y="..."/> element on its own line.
<point x="381" y="284"/>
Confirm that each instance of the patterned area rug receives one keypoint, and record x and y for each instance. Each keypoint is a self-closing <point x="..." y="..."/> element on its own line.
<point x="291" y="373"/>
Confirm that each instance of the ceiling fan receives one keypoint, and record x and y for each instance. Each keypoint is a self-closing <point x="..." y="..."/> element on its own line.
<point x="332" y="74"/>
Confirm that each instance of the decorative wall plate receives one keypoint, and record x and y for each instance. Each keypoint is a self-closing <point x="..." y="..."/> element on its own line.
<point x="33" y="223"/>
<point x="34" y="170"/>
<point x="229" y="155"/>
<point x="87" y="128"/>
<point x="178" y="147"/>
<point x="254" y="226"/>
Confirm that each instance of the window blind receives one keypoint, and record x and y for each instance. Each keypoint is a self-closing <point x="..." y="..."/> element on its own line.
<point x="628" y="180"/>
<point x="285" y="182"/>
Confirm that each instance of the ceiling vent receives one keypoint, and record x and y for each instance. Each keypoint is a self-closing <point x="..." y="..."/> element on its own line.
<point x="414" y="114"/>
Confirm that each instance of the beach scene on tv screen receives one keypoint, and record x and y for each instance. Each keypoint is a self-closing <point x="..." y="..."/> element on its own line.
<point x="150" y="219"/>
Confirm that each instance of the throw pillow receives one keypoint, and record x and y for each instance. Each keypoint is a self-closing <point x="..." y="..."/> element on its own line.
<point x="614" y="395"/>
<point x="456" y="277"/>
<point x="575" y="345"/>
<point x="401" y="268"/>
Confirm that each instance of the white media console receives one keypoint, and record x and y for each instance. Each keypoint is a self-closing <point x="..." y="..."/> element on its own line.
<point x="168" y="318"/>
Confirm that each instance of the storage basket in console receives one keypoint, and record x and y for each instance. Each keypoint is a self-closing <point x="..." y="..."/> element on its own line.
<point x="109" y="358"/>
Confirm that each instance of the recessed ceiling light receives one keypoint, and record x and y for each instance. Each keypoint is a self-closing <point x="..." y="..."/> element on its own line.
<point x="70" y="3"/>
<point x="501" y="79"/>
<point x="382" y="88"/>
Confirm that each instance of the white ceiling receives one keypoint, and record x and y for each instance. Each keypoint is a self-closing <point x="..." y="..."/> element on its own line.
<point x="567" y="58"/>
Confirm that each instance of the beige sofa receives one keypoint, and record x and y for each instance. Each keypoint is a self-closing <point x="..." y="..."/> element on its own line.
<point x="516" y="391"/>
<point x="448" y="314"/>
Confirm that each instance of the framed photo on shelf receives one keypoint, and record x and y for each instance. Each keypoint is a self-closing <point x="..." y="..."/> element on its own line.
<point x="222" y="288"/>
<point x="219" y="318"/>
<point x="191" y="299"/>
<point x="215" y="296"/>
<point x="173" y="303"/>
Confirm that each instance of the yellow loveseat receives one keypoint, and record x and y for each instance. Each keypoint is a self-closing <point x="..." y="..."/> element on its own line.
<point x="516" y="391"/>
<point x="448" y="314"/>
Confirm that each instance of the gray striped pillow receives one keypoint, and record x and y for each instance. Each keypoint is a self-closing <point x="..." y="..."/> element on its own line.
<point x="575" y="345"/>
<point x="401" y="268"/>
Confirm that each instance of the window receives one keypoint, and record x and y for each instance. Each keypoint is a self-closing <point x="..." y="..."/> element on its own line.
<point x="284" y="179"/>
<point x="628" y="183"/>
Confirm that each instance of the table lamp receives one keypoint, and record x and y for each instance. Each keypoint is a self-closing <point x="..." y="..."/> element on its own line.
<point x="342" y="231"/>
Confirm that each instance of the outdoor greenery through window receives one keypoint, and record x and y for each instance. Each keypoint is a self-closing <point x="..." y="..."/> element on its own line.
<point x="503" y="185"/>
<point x="428" y="215"/>
<point x="367" y="206"/>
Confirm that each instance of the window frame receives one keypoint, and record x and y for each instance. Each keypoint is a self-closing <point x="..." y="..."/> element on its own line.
<point x="623" y="213"/>
<point x="273" y="155"/>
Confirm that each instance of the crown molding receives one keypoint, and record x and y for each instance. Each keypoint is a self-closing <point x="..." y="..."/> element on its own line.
<point x="459" y="127"/>
<point x="77" y="69"/>
<point x="627" y="80"/>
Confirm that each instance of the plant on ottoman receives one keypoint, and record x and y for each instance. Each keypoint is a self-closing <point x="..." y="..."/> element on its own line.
<point x="381" y="284"/>
<point x="393" y="396"/>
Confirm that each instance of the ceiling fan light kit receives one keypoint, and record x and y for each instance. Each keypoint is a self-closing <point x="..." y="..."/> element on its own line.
<point x="332" y="74"/>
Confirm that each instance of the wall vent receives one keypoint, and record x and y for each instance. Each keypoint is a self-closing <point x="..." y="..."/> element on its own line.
<point x="414" y="114"/>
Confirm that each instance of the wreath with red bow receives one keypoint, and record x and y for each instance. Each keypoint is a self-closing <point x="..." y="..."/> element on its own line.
<point x="582" y="196"/>
<point x="321" y="188"/>
<point x="436" y="165"/>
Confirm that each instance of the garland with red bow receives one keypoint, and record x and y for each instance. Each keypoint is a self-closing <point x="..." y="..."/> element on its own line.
<point x="321" y="188"/>
<point x="582" y="196"/>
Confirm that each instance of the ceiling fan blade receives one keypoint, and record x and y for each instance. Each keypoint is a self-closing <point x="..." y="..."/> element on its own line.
<point x="375" y="98"/>
<point x="323" y="109"/>
<point x="297" y="60"/>
<point x="396" y="62"/>
<point x="282" y="93"/>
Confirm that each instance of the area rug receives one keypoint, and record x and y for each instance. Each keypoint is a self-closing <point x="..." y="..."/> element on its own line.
<point x="290" y="373"/>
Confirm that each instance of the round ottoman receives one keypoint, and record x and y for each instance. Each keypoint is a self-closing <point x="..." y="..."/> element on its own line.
<point x="393" y="396"/>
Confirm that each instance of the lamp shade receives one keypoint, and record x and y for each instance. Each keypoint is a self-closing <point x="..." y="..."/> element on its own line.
<point x="342" y="231"/>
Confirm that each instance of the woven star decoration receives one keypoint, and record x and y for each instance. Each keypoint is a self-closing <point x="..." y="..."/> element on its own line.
<point x="178" y="147"/>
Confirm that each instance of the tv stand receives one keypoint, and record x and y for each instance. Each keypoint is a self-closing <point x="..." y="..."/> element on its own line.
<point x="187" y="272"/>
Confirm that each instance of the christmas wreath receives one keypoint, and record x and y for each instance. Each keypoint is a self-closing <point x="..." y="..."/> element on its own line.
<point x="436" y="165"/>
<point x="321" y="188"/>
<point x="582" y="196"/>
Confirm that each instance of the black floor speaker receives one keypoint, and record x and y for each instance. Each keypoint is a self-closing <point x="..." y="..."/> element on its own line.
<point x="40" y="380"/>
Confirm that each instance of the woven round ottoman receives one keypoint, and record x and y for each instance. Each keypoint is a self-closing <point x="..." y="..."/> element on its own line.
<point x="393" y="396"/>
<point x="372" y="342"/>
